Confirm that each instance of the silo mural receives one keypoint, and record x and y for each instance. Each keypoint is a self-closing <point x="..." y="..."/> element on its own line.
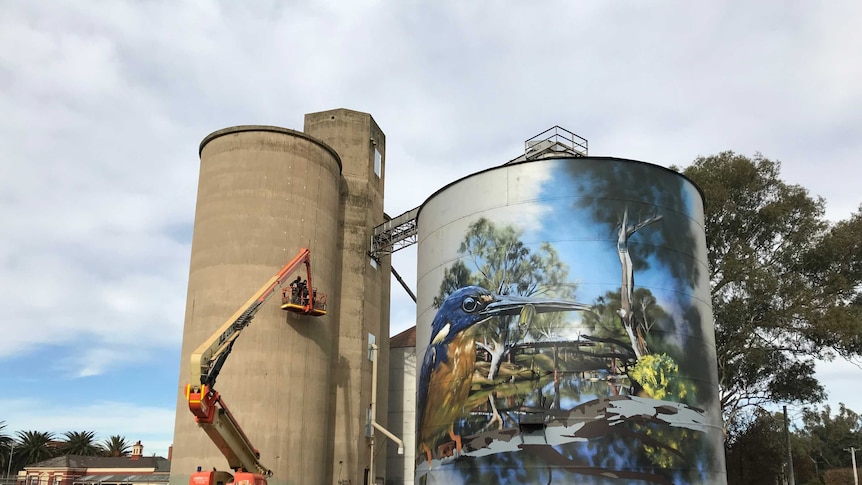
<point x="565" y="330"/>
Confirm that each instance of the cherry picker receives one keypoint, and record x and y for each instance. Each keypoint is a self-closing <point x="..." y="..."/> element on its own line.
<point x="206" y="404"/>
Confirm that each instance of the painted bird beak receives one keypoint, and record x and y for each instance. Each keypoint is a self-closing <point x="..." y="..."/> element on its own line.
<point x="512" y="305"/>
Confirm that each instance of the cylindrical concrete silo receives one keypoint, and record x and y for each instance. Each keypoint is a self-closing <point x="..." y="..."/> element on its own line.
<point x="607" y="375"/>
<point x="264" y="193"/>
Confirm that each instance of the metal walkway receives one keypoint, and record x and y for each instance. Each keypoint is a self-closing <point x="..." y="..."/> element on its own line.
<point x="394" y="234"/>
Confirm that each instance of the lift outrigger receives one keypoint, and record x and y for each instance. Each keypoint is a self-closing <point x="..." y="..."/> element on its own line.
<point x="210" y="411"/>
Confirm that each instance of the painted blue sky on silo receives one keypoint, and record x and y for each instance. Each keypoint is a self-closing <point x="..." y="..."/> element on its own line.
<point x="590" y="370"/>
<point x="558" y="212"/>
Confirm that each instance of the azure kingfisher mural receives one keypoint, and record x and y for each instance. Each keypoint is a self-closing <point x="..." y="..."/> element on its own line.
<point x="567" y="330"/>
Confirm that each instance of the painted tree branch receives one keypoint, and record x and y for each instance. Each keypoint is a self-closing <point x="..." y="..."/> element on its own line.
<point x="626" y="312"/>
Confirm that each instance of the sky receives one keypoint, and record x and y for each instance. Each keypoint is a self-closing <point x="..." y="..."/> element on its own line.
<point x="103" y="106"/>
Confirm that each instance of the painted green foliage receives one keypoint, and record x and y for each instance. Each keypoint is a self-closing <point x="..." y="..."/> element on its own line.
<point x="500" y="262"/>
<point x="658" y="375"/>
<point x="618" y="386"/>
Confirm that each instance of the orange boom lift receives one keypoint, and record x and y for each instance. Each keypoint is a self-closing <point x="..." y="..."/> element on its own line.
<point x="209" y="409"/>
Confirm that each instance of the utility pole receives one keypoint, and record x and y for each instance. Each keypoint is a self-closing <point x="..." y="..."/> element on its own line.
<point x="9" y="465"/>
<point x="852" y="451"/>
<point x="791" y="480"/>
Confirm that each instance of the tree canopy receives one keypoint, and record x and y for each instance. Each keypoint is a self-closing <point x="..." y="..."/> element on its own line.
<point x="116" y="445"/>
<point x="81" y="443"/>
<point x="819" y="441"/>
<point x="786" y="283"/>
<point x="6" y="442"/>
<point x="829" y="435"/>
<point x="34" y="446"/>
<point x="28" y="447"/>
<point x="756" y="450"/>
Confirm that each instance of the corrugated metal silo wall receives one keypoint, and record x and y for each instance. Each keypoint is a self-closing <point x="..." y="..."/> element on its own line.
<point x="621" y="387"/>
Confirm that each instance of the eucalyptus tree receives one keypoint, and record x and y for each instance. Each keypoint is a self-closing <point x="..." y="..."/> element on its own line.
<point x="786" y="283"/>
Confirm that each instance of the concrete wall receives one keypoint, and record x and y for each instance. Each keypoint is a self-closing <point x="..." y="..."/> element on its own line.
<point x="363" y="290"/>
<point x="263" y="193"/>
<point x="299" y="386"/>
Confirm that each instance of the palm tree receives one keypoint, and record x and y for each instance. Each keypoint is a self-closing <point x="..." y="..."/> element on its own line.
<point x="81" y="443"/>
<point x="116" y="446"/>
<point x="35" y="446"/>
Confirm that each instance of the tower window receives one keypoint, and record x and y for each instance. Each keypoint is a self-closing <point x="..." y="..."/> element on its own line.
<point x="378" y="162"/>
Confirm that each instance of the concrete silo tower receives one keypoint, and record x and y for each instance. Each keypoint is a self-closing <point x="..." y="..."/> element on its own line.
<point x="364" y="290"/>
<point x="298" y="385"/>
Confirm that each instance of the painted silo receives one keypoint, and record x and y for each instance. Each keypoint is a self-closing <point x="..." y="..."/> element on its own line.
<point x="264" y="193"/>
<point x="564" y="329"/>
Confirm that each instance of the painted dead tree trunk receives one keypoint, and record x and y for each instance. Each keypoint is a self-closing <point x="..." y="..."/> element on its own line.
<point x="513" y="330"/>
<point x="570" y="402"/>
<point x="496" y="350"/>
<point x="635" y="330"/>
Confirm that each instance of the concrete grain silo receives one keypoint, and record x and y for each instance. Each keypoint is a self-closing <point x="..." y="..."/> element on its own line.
<point x="298" y="385"/>
<point x="363" y="292"/>
<point x="564" y="328"/>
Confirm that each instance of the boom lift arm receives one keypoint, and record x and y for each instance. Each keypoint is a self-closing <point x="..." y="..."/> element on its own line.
<point x="205" y="403"/>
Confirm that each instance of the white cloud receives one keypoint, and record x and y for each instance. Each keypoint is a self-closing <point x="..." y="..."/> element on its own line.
<point x="528" y="216"/>
<point x="103" y="109"/>
<point x="97" y="205"/>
